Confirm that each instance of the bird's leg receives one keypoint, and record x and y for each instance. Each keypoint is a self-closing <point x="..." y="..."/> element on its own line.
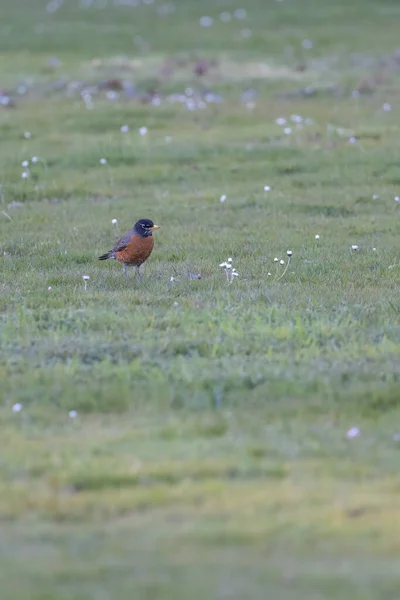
<point x="138" y="273"/>
<point x="124" y="270"/>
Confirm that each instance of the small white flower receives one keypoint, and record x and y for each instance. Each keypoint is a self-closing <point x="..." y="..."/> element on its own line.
<point x="396" y="199"/>
<point x="25" y="163"/>
<point x="386" y="107"/>
<point x="373" y="249"/>
<point x="235" y="274"/>
<point x="276" y="259"/>
<point x="353" y="432"/>
<point x="296" y="118"/>
<point x="317" y="237"/>
<point x="176" y="303"/>
<point x="280" y="121"/>
<point x="86" y="277"/>
<point x="250" y="105"/>
<point x="224" y="264"/>
<point x="240" y="13"/>
<point x="25" y="174"/>
<point x="17" y="407"/>
<point x="268" y="274"/>
<point x="355" y="247"/>
<point x="352" y="140"/>
<point x="228" y="266"/>
<point x="114" y="221"/>
<point x="289" y="252"/>
<point x="287" y="130"/>
<point x="230" y="259"/>
<point x="103" y="161"/>
<point x="49" y="288"/>
<point x="223" y="198"/>
<point x="281" y="262"/>
<point x="35" y="159"/>
<point x="27" y="135"/>
<point x="246" y="33"/>
<point x="124" y="129"/>
<point x="375" y="197"/>
<point x="225" y="17"/>
<point x="267" y="188"/>
<point x="143" y="131"/>
<point x="307" y="44"/>
<point x="206" y="21"/>
<point x="172" y="278"/>
<point x="73" y="414"/>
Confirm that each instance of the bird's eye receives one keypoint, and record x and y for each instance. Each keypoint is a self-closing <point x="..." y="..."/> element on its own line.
<point x="144" y="225"/>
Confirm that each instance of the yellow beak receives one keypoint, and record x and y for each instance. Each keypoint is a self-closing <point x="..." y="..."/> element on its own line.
<point x="155" y="227"/>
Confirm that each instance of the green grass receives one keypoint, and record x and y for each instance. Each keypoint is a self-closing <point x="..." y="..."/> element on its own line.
<point x="209" y="457"/>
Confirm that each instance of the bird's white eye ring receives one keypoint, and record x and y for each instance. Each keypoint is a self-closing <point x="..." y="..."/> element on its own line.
<point x="143" y="225"/>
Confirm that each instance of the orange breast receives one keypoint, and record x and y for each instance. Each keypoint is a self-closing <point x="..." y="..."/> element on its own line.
<point x="137" y="251"/>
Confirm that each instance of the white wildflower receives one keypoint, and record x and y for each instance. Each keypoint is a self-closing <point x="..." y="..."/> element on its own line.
<point x="353" y="432"/>
<point x="206" y="21"/>
<point x="240" y="13"/>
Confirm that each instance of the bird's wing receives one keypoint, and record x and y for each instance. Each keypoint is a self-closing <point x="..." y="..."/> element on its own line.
<point x="123" y="242"/>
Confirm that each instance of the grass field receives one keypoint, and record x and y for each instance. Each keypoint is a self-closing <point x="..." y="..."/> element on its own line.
<point x="209" y="451"/>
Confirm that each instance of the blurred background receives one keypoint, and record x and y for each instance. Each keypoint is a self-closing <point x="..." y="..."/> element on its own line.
<point x="198" y="435"/>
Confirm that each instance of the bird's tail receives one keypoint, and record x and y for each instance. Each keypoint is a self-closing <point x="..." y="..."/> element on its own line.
<point x="106" y="255"/>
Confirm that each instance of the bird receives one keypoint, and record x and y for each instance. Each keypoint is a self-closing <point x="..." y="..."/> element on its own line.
<point x="135" y="247"/>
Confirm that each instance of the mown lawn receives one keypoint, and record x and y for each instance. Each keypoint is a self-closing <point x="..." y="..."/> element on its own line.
<point x="209" y="451"/>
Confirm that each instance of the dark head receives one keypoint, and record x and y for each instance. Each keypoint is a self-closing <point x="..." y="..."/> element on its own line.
<point x="144" y="227"/>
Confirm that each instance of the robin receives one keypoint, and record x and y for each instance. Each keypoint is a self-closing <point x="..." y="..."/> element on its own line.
<point x="135" y="247"/>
